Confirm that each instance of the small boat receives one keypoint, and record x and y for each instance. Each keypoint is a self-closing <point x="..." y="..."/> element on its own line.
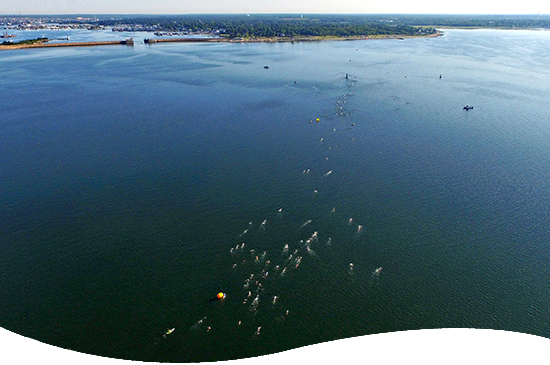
<point x="169" y="331"/>
<point x="266" y="67"/>
<point x="468" y="107"/>
<point x="6" y="35"/>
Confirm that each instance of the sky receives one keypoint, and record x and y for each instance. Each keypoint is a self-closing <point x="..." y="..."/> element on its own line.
<point x="34" y="7"/>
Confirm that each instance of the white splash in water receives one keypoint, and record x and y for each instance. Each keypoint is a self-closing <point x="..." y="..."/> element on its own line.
<point x="262" y="226"/>
<point x="305" y="224"/>
<point x="255" y="303"/>
<point x="198" y="324"/>
<point x="315" y="236"/>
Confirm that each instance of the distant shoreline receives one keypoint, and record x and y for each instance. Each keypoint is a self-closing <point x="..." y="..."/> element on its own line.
<point x="219" y="40"/>
<point x="331" y="38"/>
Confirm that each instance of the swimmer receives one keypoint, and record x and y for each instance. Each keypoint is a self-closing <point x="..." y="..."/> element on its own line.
<point x="285" y="249"/>
<point x="306" y="223"/>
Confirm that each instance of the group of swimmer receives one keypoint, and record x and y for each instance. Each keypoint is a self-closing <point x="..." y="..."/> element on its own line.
<point x="259" y="293"/>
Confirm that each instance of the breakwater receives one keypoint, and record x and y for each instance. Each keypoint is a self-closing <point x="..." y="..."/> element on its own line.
<point x="194" y="40"/>
<point x="68" y="44"/>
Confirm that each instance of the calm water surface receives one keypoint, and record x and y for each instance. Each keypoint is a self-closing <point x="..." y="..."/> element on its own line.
<point x="132" y="176"/>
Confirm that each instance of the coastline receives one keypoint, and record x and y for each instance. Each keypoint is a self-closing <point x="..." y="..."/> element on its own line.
<point x="220" y="40"/>
<point x="331" y="38"/>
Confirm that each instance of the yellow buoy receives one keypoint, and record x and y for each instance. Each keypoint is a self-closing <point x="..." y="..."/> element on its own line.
<point x="317" y="119"/>
<point x="220" y="295"/>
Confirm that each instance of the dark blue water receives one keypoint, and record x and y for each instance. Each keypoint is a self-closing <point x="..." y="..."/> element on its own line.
<point x="129" y="176"/>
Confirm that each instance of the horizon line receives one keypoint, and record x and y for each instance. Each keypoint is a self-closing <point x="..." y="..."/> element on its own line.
<point x="276" y="13"/>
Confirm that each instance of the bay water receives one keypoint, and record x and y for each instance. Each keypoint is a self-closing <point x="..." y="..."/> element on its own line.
<point x="341" y="191"/>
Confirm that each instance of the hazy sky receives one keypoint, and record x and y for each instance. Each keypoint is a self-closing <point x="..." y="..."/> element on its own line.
<point x="273" y="6"/>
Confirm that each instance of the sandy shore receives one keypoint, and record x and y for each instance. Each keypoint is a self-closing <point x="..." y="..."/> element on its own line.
<point x="228" y="40"/>
<point x="332" y="38"/>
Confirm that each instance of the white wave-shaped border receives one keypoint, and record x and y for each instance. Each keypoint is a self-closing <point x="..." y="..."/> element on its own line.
<point x="426" y="347"/>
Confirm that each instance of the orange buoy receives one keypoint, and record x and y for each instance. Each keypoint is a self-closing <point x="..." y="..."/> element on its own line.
<point x="220" y="295"/>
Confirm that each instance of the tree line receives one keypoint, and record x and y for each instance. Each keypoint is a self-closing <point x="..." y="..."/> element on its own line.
<point x="235" y="26"/>
<point x="285" y="25"/>
<point x="482" y="21"/>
